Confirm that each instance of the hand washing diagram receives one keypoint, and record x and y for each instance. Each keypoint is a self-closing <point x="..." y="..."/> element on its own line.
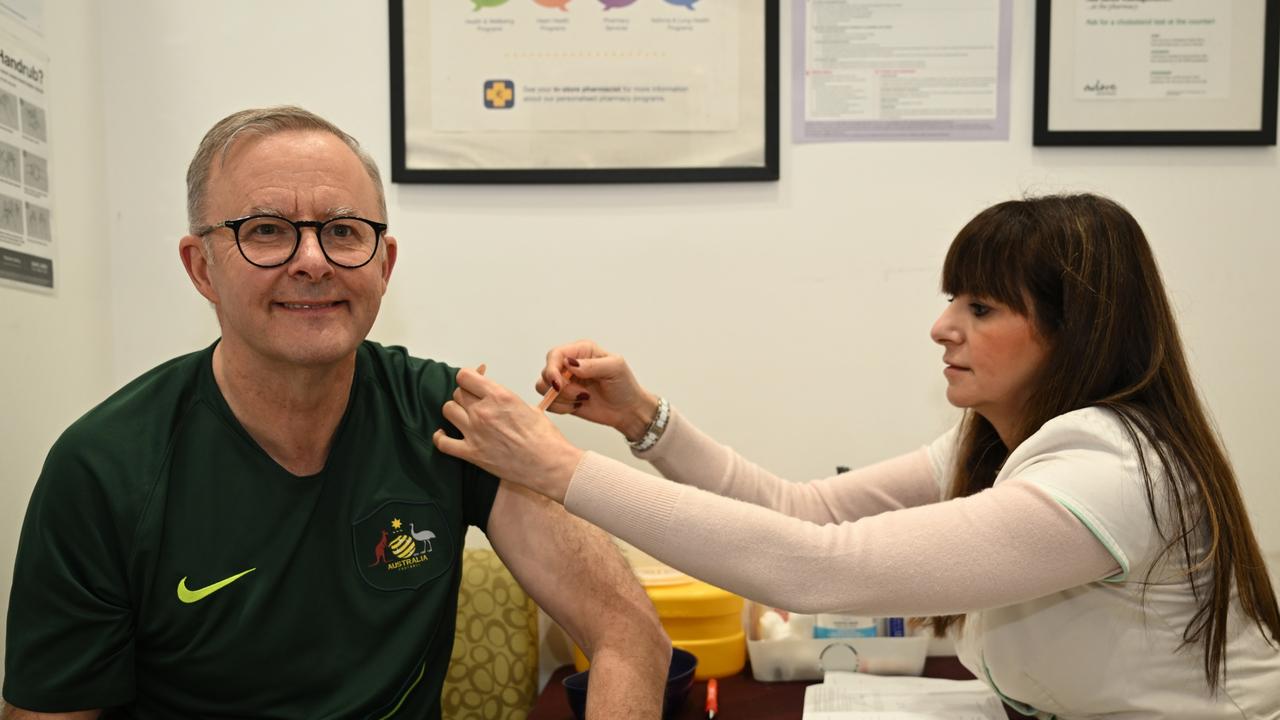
<point x="28" y="239"/>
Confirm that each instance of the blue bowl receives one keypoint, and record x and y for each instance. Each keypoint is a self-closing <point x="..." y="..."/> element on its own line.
<point x="679" y="680"/>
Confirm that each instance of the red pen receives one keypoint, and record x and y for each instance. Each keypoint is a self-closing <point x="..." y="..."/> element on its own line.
<point x="713" y="704"/>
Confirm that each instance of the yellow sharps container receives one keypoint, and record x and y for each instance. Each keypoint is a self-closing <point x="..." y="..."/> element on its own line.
<point x="702" y="619"/>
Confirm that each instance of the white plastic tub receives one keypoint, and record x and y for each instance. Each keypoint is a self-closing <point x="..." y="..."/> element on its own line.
<point x="806" y="659"/>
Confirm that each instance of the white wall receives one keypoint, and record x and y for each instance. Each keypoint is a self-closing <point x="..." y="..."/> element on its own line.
<point x="790" y="319"/>
<point x="55" y="350"/>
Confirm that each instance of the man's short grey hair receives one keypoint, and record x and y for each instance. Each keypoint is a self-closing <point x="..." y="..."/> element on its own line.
<point x="261" y="122"/>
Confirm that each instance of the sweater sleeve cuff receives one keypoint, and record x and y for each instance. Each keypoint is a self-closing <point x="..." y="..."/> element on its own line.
<point x="620" y="499"/>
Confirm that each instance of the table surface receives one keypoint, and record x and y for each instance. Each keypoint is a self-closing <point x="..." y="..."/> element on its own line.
<point x="742" y="697"/>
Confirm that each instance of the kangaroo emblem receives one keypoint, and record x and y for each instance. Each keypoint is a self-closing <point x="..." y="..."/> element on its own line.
<point x="425" y="536"/>
<point x="380" y="551"/>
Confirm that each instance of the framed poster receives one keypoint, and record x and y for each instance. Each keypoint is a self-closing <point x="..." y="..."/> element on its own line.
<point x="1175" y="72"/>
<point x="584" y="91"/>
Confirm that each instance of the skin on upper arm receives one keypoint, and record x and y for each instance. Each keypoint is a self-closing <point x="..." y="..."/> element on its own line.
<point x="576" y="574"/>
<point x="9" y="712"/>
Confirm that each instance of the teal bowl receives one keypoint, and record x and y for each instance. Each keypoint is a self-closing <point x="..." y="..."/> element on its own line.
<point x="679" y="680"/>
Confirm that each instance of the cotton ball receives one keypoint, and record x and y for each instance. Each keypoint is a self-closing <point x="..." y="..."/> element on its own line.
<point x="773" y="627"/>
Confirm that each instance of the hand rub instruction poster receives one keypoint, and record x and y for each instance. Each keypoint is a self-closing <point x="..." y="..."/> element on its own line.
<point x="27" y="247"/>
<point x="545" y="80"/>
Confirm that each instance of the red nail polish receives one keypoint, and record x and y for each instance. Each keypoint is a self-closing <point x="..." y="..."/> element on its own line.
<point x="555" y="385"/>
<point x="572" y="362"/>
<point x="584" y="396"/>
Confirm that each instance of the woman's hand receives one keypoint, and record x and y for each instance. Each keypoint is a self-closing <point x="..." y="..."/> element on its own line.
<point x="507" y="437"/>
<point x="600" y="388"/>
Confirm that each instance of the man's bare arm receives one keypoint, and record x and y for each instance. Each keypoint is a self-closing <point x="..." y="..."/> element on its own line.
<point x="9" y="712"/>
<point x="576" y="574"/>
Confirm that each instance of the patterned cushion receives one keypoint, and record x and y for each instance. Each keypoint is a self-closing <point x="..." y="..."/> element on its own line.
<point x="493" y="672"/>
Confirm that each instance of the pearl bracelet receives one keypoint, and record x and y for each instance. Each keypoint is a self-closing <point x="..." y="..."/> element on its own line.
<point x="655" y="429"/>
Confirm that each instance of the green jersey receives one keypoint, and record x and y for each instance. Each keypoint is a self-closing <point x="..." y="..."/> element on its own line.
<point x="168" y="567"/>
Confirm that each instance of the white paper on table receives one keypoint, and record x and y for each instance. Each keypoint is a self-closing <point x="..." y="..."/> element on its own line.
<point x="858" y="696"/>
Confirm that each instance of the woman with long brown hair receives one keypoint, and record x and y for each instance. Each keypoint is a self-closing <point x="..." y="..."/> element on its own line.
<point x="1083" y="507"/>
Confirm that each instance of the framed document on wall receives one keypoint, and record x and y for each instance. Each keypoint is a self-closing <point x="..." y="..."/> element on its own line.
<point x="584" y="91"/>
<point x="1173" y="72"/>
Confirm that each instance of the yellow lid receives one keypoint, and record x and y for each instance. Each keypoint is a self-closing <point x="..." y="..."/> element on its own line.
<point x="676" y="595"/>
<point x="693" y="599"/>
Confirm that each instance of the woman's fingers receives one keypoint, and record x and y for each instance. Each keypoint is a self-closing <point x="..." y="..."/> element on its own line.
<point x="451" y="446"/>
<point x="456" y="414"/>
<point x="507" y="437"/>
<point x="564" y="405"/>
<point x="569" y="388"/>
<point x="474" y="382"/>
<point x="551" y="378"/>
<point x="600" y="368"/>
<point x="563" y="357"/>
<point x="464" y="398"/>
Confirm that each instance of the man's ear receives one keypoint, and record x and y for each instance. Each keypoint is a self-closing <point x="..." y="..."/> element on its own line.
<point x="194" y="258"/>
<point x="389" y="262"/>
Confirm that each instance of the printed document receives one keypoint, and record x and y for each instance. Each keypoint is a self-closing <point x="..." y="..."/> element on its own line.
<point x="859" y="696"/>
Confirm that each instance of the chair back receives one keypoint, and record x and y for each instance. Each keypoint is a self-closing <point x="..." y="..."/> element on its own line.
<point x="493" y="671"/>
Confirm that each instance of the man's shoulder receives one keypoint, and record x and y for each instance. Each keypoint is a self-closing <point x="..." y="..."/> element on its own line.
<point x="395" y="361"/>
<point x="416" y="386"/>
<point x="412" y="392"/>
<point x="152" y="397"/>
<point x="133" y="426"/>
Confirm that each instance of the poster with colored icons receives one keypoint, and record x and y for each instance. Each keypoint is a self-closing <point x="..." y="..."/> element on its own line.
<point x="534" y="87"/>
<point x="607" y="65"/>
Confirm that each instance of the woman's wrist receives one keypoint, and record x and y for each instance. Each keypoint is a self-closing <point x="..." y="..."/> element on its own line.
<point x="637" y="420"/>
<point x="653" y="433"/>
<point x="555" y="479"/>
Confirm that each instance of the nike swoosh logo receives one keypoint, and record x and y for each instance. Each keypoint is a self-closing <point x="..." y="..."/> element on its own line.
<point x="190" y="596"/>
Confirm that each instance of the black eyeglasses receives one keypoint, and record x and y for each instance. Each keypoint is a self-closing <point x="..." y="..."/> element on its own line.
<point x="270" y="241"/>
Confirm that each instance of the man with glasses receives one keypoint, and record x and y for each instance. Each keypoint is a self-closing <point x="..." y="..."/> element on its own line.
<point x="264" y="528"/>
